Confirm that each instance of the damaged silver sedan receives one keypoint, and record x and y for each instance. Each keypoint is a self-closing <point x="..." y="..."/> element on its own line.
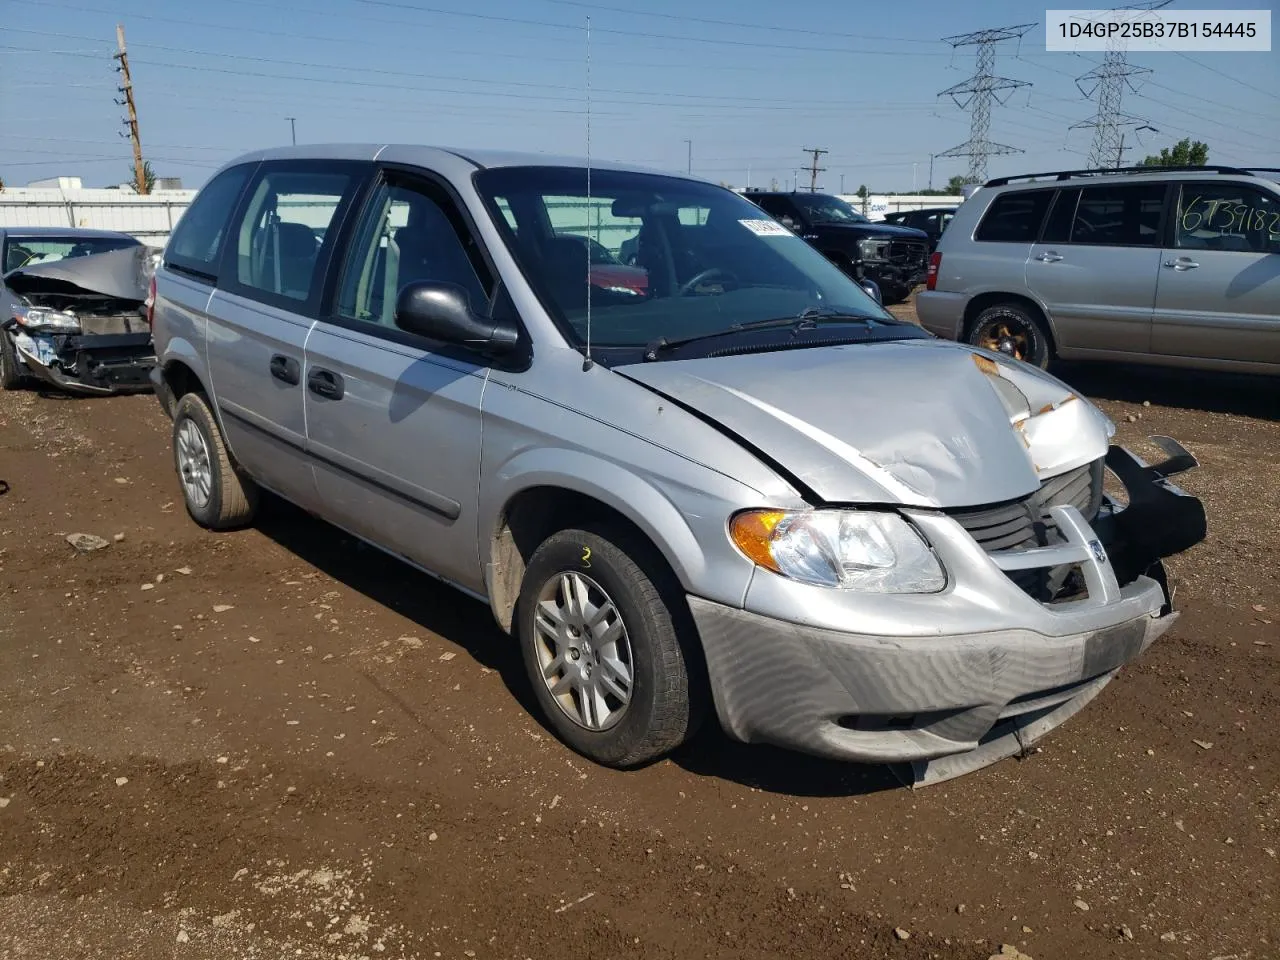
<point x="75" y="312"/>
<point x="733" y="480"/>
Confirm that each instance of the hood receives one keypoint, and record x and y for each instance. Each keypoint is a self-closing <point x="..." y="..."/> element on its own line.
<point x="873" y="229"/>
<point x="118" y="274"/>
<point x="926" y="423"/>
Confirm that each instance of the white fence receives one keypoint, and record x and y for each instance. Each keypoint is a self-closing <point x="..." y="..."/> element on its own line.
<point x="150" y="218"/>
<point x="877" y="205"/>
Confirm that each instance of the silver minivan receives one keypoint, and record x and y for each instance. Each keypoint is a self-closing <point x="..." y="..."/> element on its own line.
<point x="1170" y="266"/>
<point x="719" y="477"/>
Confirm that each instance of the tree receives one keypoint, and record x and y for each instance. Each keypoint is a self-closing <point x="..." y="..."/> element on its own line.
<point x="149" y="179"/>
<point x="955" y="185"/>
<point x="1184" y="153"/>
<point x="863" y="192"/>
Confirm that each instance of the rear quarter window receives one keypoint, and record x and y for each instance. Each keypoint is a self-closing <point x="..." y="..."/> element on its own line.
<point x="1014" y="217"/>
<point x="197" y="239"/>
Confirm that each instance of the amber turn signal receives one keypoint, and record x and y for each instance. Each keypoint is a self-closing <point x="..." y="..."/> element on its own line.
<point x="752" y="531"/>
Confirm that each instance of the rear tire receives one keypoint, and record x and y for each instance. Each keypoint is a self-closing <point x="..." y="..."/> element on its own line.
<point x="217" y="493"/>
<point x="11" y="375"/>
<point x="643" y="633"/>
<point x="1012" y="329"/>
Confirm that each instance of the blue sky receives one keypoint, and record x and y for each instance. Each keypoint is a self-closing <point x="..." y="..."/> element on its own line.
<point x="750" y="83"/>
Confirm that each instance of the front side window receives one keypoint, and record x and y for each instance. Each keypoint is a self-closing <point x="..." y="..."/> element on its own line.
<point x="406" y="236"/>
<point x="698" y="258"/>
<point x="1227" y="216"/>
<point x="1014" y="217"/>
<point x="197" y="237"/>
<point x="1122" y="215"/>
<point x="29" y="251"/>
<point x="284" y="225"/>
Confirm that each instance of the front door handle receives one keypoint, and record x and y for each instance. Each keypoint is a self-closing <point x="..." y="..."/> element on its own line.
<point x="1049" y="257"/>
<point x="325" y="383"/>
<point x="1182" y="263"/>
<point x="285" y="369"/>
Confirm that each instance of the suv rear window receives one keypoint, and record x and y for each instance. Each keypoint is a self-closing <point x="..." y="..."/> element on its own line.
<point x="196" y="239"/>
<point x="1014" y="217"/>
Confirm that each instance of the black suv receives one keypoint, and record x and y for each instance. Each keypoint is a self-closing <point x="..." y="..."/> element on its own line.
<point x="896" y="258"/>
<point x="932" y="220"/>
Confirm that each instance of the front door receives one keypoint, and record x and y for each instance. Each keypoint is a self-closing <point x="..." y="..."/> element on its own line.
<point x="1219" y="289"/>
<point x="393" y="421"/>
<point x="1095" y="266"/>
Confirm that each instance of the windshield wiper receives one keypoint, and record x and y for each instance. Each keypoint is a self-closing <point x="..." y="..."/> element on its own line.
<point x="806" y="319"/>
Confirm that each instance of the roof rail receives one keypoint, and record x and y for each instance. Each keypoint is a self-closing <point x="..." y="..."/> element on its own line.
<point x="1105" y="171"/>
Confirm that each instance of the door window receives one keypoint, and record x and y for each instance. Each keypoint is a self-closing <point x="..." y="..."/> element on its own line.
<point x="1014" y="217"/>
<point x="1124" y="215"/>
<point x="284" y="227"/>
<point x="197" y="238"/>
<point x="1227" y="216"/>
<point x="406" y="235"/>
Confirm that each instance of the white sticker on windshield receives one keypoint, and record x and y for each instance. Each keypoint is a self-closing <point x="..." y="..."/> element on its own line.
<point x="766" y="228"/>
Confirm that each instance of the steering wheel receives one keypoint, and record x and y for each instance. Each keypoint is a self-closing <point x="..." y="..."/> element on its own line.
<point x="688" y="286"/>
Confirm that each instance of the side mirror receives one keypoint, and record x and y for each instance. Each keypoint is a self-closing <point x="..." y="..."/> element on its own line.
<point x="873" y="290"/>
<point x="442" y="311"/>
<point x="787" y="222"/>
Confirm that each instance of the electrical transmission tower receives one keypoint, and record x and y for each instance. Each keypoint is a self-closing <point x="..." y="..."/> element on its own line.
<point x="815" y="169"/>
<point x="982" y="88"/>
<point x="1108" y="81"/>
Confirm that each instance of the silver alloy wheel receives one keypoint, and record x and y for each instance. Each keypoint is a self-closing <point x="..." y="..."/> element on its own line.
<point x="583" y="650"/>
<point x="193" y="464"/>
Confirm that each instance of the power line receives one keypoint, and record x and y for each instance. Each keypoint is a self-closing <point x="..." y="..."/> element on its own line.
<point x="982" y="88"/>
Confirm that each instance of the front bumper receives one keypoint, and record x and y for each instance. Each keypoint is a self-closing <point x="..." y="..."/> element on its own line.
<point x="91" y="364"/>
<point x="963" y="678"/>
<point x="900" y="280"/>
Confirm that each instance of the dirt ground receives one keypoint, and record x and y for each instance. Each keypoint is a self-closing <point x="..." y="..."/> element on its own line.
<point x="277" y="743"/>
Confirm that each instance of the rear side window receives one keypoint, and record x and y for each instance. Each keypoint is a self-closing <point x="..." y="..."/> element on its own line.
<point x="1126" y="215"/>
<point x="197" y="238"/>
<point x="1014" y="217"/>
<point x="278" y="243"/>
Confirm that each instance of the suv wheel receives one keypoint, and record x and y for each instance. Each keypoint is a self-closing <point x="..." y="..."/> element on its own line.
<point x="217" y="495"/>
<point x="11" y="375"/>
<point x="600" y="641"/>
<point x="1012" y="329"/>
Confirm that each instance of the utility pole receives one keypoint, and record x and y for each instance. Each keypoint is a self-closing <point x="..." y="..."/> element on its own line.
<point x="842" y="184"/>
<point x="139" y="168"/>
<point x="1106" y="82"/>
<point x="982" y="88"/>
<point x="689" y="168"/>
<point x="815" y="169"/>
<point x="931" y="171"/>
<point x="293" y="129"/>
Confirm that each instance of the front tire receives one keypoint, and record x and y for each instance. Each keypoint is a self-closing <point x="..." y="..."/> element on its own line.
<point x="11" y="375"/>
<point x="599" y="622"/>
<point x="1012" y="329"/>
<point x="218" y="496"/>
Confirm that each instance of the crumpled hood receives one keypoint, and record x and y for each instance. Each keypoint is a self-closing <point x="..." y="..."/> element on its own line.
<point x="926" y="423"/>
<point x="121" y="274"/>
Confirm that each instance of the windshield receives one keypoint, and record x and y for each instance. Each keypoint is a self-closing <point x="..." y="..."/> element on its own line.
<point x="28" y="251"/>
<point x="818" y="208"/>
<point x="686" y="259"/>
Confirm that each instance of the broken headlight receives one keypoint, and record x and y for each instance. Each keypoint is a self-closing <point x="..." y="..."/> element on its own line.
<point x="864" y="550"/>
<point x="870" y="248"/>
<point x="40" y="320"/>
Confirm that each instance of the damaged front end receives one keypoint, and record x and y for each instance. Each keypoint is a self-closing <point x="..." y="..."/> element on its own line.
<point x="81" y="324"/>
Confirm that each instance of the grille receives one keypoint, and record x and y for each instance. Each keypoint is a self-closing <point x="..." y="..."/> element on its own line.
<point x="1023" y="524"/>
<point x="907" y="253"/>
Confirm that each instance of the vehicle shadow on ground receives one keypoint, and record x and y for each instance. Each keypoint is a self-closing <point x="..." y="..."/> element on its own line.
<point x="1235" y="393"/>
<point x="442" y="610"/>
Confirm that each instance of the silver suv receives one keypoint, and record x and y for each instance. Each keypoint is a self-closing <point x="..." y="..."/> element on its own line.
<point x="1172" y="266"/>
<point x="719" y="476"/>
